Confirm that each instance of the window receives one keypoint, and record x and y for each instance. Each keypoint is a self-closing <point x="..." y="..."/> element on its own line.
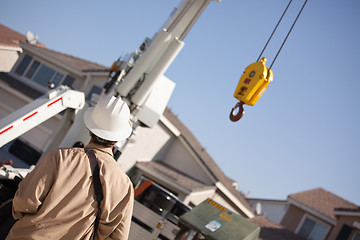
<point x="34" y="66"/>
<point x="57" y="78"/>
<point x="23" y="65"/>
<point x="344" y="232"/>
<point x="42" y="74"/>
<point x="94" y="90"/>
<point x="69" y="80"/>
<point x="312" y="230"/>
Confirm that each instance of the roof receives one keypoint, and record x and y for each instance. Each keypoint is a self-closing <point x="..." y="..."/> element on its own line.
<point x="11" y="38"/>
<point x="355" y="212"/>
<point x="348" y="209"/>
<point x="76" y="63"/>
<point x="322" y="201"/>
<point x="208" y="162"/>
<point x="181" y="179"/>
<point x="272" y="231"/>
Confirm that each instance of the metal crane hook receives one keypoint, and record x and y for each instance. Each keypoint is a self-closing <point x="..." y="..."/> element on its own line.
<point x="239" y="114"/>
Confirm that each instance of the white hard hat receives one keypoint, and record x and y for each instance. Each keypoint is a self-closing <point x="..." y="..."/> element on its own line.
<point x="109" y="119"/>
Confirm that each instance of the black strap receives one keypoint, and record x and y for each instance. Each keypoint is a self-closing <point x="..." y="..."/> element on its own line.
<point x="97" y="185"/>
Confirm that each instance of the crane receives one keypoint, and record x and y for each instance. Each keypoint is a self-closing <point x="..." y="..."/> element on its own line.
<point x="137" y="77"/>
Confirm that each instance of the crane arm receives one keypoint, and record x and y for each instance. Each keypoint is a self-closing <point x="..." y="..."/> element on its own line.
<point x="38" y="111"/>
<point x="136" y="75"/>
<point x="162" y="50"/>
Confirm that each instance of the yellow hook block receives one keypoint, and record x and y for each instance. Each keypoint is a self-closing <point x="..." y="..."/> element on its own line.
<point x="253" y="82"/>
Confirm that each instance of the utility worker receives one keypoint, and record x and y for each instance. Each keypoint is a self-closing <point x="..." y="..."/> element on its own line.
<point x="56" y="200"/>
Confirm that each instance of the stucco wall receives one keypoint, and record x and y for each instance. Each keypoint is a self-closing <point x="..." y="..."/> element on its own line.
<point x="8" y="57"/>
<point x="146" y="144"/>
<point x="292" y="218"/>
<point x="179" y="157"/>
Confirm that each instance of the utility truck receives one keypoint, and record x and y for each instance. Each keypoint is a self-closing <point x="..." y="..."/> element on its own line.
<point x="138" y="78"/>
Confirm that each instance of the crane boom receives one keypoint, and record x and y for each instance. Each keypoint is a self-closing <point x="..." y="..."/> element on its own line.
<point x="140" y="72"/>
<point x="38" y="111"/>
<point x="163" y="49"/>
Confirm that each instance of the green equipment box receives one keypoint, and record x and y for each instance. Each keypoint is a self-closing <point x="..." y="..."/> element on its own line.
<point x="215" y="222"/>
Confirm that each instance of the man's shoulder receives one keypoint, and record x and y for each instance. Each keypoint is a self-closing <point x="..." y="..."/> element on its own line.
<point x="73" y="149"/>
<point x="64" y="153"/>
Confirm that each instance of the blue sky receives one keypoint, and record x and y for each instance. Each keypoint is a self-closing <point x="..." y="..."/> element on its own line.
<point x="302" y="134"/>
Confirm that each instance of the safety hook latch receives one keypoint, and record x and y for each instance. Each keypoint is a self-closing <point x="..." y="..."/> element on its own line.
<point x="237" y="116"/>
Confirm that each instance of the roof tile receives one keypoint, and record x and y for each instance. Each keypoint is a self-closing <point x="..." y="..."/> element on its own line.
<point x="78" y="64"/>
<point x="11" y="38"/>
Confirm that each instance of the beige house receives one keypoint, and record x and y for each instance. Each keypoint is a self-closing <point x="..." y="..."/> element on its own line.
<point x="315" y="214"/>
<point x="319" y="214"/>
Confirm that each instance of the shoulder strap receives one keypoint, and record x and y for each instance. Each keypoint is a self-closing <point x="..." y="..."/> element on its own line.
<point x="97" y="185"/>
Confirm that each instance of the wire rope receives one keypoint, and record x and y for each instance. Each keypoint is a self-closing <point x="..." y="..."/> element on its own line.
<point x="288" y="34"/>
<point x="274" y="30"/>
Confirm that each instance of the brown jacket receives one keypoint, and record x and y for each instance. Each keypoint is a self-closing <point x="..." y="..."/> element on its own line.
<point x="56" y="200"/>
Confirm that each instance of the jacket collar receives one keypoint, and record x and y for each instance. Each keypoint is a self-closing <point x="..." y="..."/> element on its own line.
<point x="100" y="148"/>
